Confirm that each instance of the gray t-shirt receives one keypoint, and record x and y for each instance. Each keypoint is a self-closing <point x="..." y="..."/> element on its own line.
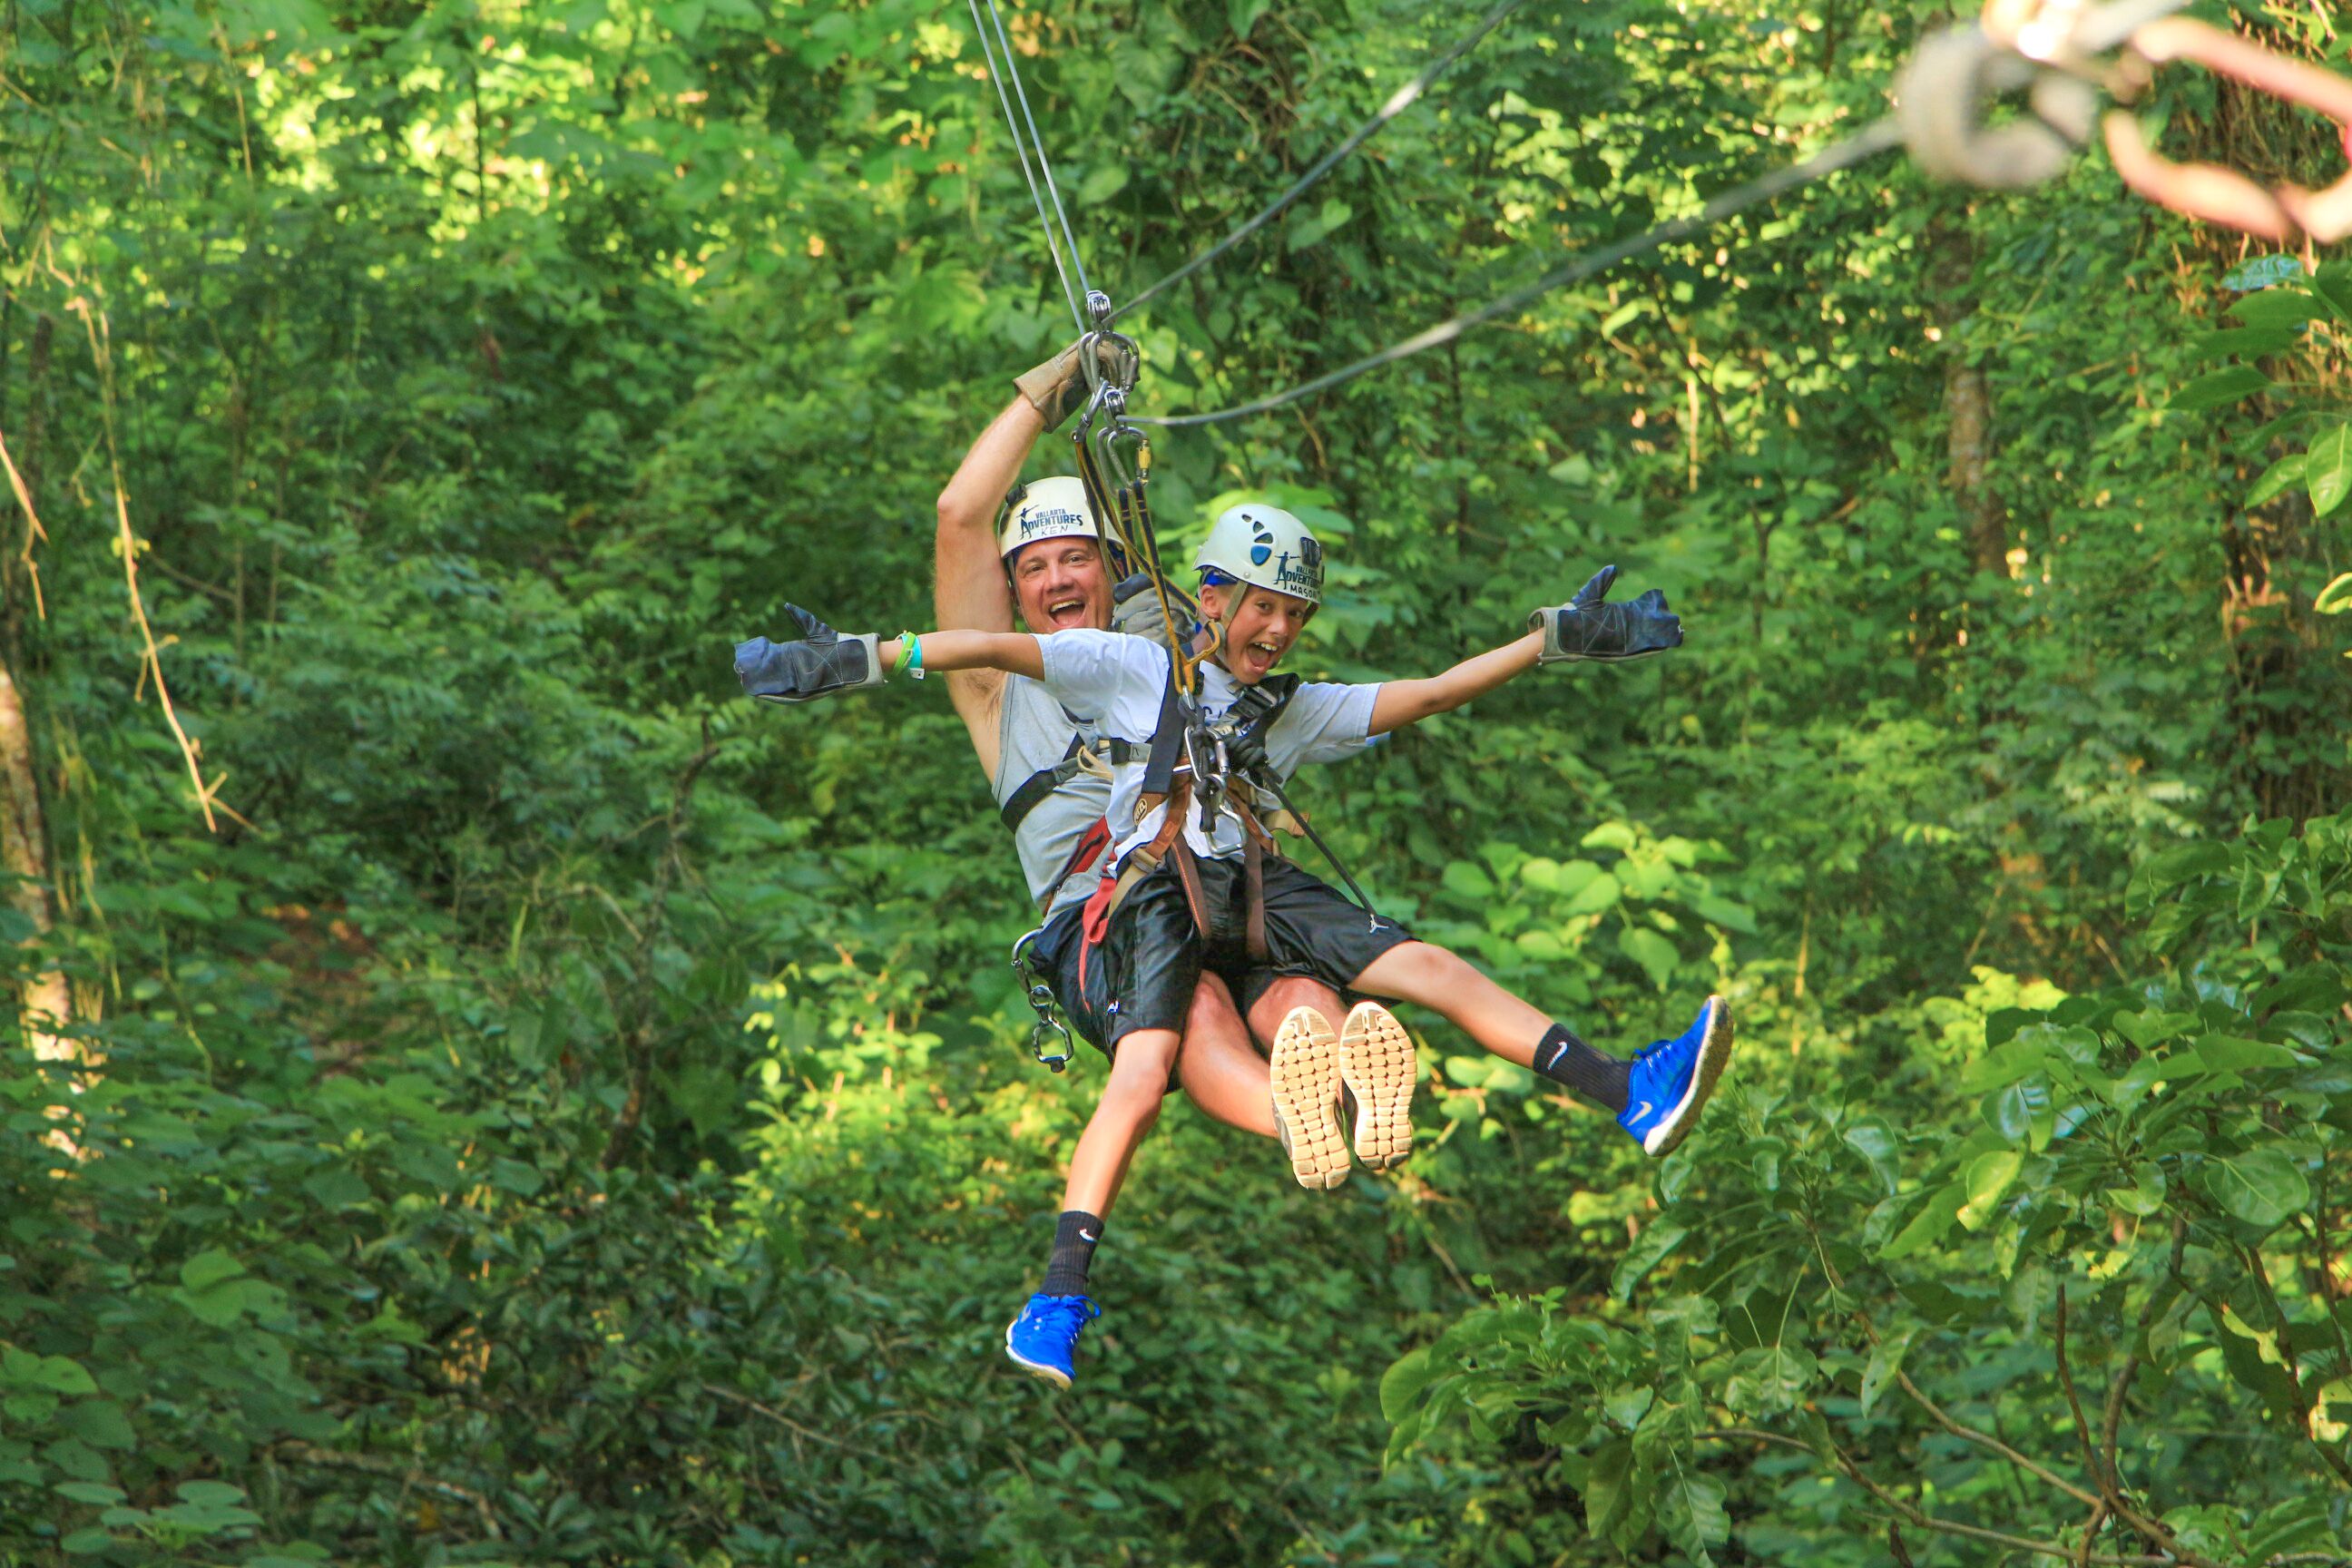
<point x="1033" y="733"/>
<point x="1113" y="686"/>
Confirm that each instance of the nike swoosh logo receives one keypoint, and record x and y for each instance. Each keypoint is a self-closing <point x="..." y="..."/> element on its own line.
<point x="1089" y="1237"/>
<point x="1643" y="1114"/>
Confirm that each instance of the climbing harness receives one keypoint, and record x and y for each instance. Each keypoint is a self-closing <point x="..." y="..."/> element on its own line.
<point x="1048" y="1031"/>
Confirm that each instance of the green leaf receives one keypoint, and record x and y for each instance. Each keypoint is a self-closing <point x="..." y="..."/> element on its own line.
<point x="337" y="1187"/>
<point x="1988" y="1177"/>
<point x="1928" y="1225"/>
<point x="1467" y="881"/>
<point x="1885" y="1360"/>
<point x="2337" y="598"/>
<point x="2229" y="1053"/>
<point x="2278" y="479"/>
<point x="1618" y="836"/>
<point x="1874" y="1139"/>
<point x="210" y="1494"/>
<point x="2215" y="388"/>
<point x="1649" y="1250"/>
<point x="2251" y="340"/>
<point x="63" y="1374"/>
<point x="1402" y="1383"/>
<point x="1724" y="912"/>
<point x="2146" y="1195"/>
<point x="1694" y="1513"/>
<point x="1306" y="231"/>
<point x="1604" y="1485"/>
<point x="2280" y="306"/>
<point x="95" y="1494"/>
<point x="100" y="1423"/>
<point x="1242" y="15"/>
<point x="2262" y="1187"/>
<point x="2327" y="468"/>
<point x="2333" y="283"/>
<point x="1601" y="893"/>
<point x="209" y="1268"/>
<point x="1653" y="952"/>
<point x="1104" y="180"/>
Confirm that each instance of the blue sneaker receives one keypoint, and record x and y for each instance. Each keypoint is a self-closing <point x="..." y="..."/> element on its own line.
<point x="1042" y="1337"/>
<point x="1670" y="1082"/>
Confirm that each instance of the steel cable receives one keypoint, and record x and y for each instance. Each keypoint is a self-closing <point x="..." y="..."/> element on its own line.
<point x="1399" y="102"/>
<point x="1880" y="136"/>
<point x="1021" y="148"/>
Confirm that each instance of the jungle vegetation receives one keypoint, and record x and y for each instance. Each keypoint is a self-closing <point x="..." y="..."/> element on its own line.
<point x="485" y="1093"/>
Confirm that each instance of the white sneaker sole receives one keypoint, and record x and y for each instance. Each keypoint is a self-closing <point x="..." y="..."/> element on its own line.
<point x="1376" y="1063"/>
<point x="1304" y="1070"/>
<point x="1714" y="1055"/>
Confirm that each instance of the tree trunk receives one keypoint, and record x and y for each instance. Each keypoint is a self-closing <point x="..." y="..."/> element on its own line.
<point x="1967" y="404"/>
<point x="47" y="1003"/>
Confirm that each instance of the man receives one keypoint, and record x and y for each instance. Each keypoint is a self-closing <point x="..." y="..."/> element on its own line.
<point x="1174" y="893"/>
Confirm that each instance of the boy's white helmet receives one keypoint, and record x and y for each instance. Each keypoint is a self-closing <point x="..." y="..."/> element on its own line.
<point x="1266" y="547"/>
<point x="1050" y="509"/>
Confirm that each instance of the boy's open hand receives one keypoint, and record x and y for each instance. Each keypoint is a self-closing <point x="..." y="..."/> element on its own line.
<point x="1587" y="626"/>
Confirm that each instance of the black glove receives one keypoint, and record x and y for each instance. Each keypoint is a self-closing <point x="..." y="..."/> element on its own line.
<point x="822" y="663"/>
<point x="1586" y="628"/>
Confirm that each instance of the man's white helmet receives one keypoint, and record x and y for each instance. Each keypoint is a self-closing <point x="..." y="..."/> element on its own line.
<point x="1266" y="547"/>
<point x="1050" y="509"/>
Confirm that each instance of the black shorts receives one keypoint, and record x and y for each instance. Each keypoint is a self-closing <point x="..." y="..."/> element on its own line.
<point x="1079" y="975"/>
<point x="1314" y="931"/>
<point x="1157" y="954"/>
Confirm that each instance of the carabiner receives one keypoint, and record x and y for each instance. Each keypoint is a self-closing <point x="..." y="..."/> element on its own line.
<point x="2208" y="191"/>
<point x="1948" y="85"/>
<point x="1040" y="998"/>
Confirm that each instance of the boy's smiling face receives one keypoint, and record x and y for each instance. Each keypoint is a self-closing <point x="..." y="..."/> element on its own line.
<point x="1262" y="626"/>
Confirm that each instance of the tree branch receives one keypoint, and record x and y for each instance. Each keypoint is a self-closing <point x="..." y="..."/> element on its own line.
<point x="392" y="1470"/>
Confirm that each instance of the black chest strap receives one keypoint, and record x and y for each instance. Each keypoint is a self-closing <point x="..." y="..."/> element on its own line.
<point x="1046" y="781"/>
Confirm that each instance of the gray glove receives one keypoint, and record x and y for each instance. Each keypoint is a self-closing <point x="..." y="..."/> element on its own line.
<point x="822" y="663"/>
<point x="1586" y="628"/>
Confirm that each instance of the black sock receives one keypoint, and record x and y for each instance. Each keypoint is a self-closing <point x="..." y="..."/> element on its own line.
<point x="1597" y="1076"/>
<point x="1073" y="1249"/>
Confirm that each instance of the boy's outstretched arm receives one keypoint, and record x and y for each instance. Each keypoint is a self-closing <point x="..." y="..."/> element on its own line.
<point x="1403" y="703"/>
<point x="1586" y="628"/>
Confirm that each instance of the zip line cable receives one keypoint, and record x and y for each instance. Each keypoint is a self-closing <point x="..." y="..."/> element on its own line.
<point x="1880" y="136"/>
<point x="1021" y="148"/>
<point x="1399" y="102"/>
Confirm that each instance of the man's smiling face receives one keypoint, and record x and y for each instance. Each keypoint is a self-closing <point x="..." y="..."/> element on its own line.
<point x="1060" y="583"/>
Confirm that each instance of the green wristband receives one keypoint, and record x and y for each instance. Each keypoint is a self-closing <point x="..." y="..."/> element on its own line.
<point x="911" y="654"/>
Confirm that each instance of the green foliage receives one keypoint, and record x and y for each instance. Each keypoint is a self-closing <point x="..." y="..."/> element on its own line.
<point x="566" y="1116"/>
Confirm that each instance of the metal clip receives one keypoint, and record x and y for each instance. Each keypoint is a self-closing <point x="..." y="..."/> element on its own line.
<point x="1942" y="96"/>
<point x="1049" y="1029"/>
